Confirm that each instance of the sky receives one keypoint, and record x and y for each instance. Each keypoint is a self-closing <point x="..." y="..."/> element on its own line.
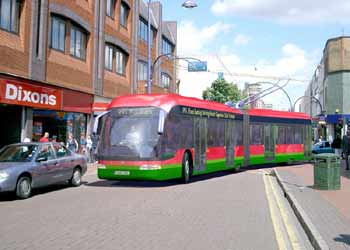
<point x="256" y="40"/>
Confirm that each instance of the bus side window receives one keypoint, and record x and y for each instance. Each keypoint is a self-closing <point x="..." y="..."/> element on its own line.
<point x="281" y="134"/>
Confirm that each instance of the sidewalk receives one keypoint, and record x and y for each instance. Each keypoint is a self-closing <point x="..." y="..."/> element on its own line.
<point x="325" y="215"/>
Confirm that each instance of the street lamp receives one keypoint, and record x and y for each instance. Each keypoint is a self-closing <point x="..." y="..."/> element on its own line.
<point x="187" y="4"/>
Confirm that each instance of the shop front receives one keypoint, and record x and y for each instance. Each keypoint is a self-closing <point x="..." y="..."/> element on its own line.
<point x="29" y="109"/>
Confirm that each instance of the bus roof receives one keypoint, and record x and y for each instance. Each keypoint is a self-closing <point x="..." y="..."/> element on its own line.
<point x="278" y="114"/>
<point x="167" y="101"/>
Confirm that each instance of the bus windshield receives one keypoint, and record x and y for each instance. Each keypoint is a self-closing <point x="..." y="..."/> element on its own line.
<point x="130" y="134"/>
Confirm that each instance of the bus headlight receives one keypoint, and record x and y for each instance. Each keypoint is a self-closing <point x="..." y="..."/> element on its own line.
<point x="150" y="167"/>
<point x="101" y="166"/>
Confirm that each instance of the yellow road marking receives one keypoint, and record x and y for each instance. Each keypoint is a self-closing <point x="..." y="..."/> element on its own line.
<point x="276" y="226"/>
<point x="291" y="234"/>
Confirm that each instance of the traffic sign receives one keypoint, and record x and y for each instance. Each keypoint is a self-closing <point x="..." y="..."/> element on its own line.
<point x="197" y="66"/>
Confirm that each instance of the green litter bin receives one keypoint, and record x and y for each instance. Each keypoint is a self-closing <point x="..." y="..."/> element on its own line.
<point x="327" y="172"/>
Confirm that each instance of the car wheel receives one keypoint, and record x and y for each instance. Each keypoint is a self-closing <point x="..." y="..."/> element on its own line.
<point x="24" y="187"/>
<point x="75" y="181"/>
<point x="186" y="168"/>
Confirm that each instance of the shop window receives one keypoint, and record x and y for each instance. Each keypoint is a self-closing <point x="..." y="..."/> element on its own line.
<point x="142" y="71"/>
<point x="10" y="15"/>
<point x="165" y="81"/>
<point x="124" y="14"/>
<point x="110" y="8"/>
<point x="256" y="134"/>
<point x="167" y="47"/>
<point x="78" y="42"/>
<point x="58" y="33"/>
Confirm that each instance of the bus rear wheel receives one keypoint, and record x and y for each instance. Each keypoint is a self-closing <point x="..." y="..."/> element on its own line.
<point x="186" y="168"/>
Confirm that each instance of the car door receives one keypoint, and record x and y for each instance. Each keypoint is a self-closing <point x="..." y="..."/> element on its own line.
<point x="65" y="159"/>
<point x="48" y="165"/>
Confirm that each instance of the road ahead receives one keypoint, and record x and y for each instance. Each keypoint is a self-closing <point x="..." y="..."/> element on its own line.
<point x="220" y="211"/>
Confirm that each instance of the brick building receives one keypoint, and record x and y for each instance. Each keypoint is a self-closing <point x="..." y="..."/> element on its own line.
<point x="61" y="61"/>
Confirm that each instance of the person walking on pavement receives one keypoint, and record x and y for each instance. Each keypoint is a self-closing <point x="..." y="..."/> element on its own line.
<point x="72" y="143"/>
<point x="45" y="138"/>
<point x="336" y="144"/>
<point x="346" y="148"/>
<point x="88" y="148"/>
<point x="82" y="144"/>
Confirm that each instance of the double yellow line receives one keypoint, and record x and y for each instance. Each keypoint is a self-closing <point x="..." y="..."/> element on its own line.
<point x="278" y="210"/>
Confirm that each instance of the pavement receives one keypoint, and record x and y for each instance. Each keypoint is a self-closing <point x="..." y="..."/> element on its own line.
<point x="324" y="214"/>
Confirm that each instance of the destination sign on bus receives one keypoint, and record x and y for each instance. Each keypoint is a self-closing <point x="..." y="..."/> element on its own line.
<point x="136" y="112"/>
<point x="206" y="113"/>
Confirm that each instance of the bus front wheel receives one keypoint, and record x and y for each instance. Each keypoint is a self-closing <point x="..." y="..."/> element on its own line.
<point x="186" y="168"/>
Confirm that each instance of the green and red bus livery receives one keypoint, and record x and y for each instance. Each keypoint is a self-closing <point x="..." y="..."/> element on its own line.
<point x="167" y="136"/>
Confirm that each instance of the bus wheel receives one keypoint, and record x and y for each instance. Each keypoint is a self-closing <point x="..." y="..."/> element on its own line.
<point x="186" y="168"/>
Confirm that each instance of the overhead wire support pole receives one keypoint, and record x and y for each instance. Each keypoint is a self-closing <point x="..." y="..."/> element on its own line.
<point x="149" y="83"/>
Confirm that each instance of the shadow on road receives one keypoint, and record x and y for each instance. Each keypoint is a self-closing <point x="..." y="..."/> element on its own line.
<point x="344" y="238"/>
<point x="10" y="196"/>
<point x="156" y="184"/>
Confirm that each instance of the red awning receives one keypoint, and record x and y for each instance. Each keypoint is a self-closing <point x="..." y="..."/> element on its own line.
<point x="99" y="106"/>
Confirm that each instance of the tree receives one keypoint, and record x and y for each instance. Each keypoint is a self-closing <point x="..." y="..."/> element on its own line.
<point x="222" y="91"/>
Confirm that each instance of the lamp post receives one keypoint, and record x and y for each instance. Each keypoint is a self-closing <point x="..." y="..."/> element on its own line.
<point x="189" y="4"/>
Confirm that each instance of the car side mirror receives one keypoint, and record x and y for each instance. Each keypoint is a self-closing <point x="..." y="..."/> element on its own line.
<point x="41" y="159"/>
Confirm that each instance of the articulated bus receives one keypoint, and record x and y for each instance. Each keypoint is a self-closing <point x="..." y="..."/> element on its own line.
<point x="167" y="136"/>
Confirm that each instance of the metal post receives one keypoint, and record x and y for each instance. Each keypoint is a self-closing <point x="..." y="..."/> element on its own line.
<point x="149" y="80"/>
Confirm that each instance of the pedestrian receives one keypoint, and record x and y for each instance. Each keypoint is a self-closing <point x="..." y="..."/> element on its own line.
<point x="45" y="138"/>
<point x="54" y="138"/>
<point x="336" y="144"/>
<point x="72" y="143"/>
<point x="89" y="148"/>
<point x="346" y="148"/>
<point x="94" y="139"/>
<point x="82" y="144"/>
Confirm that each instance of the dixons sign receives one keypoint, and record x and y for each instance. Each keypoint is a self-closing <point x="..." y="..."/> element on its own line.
<point x="29" y="95"/>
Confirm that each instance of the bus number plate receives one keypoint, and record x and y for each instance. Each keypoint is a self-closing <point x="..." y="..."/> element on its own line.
<point x="121" y="172"/>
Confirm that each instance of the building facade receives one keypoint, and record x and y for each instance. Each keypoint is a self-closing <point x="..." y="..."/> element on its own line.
<point x="329" y="90"/>
<point x="253" y="91"/>
<point x="63" y="61"/>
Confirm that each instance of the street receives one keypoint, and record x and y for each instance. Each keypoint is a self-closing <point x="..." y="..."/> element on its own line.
<point x="245" y="210"/>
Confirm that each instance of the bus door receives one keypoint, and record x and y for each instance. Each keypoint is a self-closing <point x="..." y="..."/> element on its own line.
<point x="269" y="142"/>
<point x="200" y="143"/>
<point x="229" y="143"/>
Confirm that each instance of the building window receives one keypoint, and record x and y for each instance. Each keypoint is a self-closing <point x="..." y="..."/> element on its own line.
<point x="142" y="71"/>
<point x="121" y="60"/>
<point x="167" y="47"/>
<point x="143" y="31"/>
<point x="9" y="15"/>
<point x="58" y="33"/>
<point x="77" y="42"/>
<point x="165" y="80"/>
<point x="109" y="57"/>
<point x="120" y="56"/>
<point x="110" y="7"/>
<point x="124" y="14"/>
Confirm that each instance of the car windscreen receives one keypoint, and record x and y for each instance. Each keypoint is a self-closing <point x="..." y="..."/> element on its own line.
<point x="130" y="134"/>
<point x="18" y="153"/>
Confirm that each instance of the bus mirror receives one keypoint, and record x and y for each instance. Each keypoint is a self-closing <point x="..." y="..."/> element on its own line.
<point x="97" y="120"/>
<point x="161" y="121"/>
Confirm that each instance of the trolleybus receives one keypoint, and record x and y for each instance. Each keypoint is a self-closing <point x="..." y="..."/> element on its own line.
<point x="168" y="136"/>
